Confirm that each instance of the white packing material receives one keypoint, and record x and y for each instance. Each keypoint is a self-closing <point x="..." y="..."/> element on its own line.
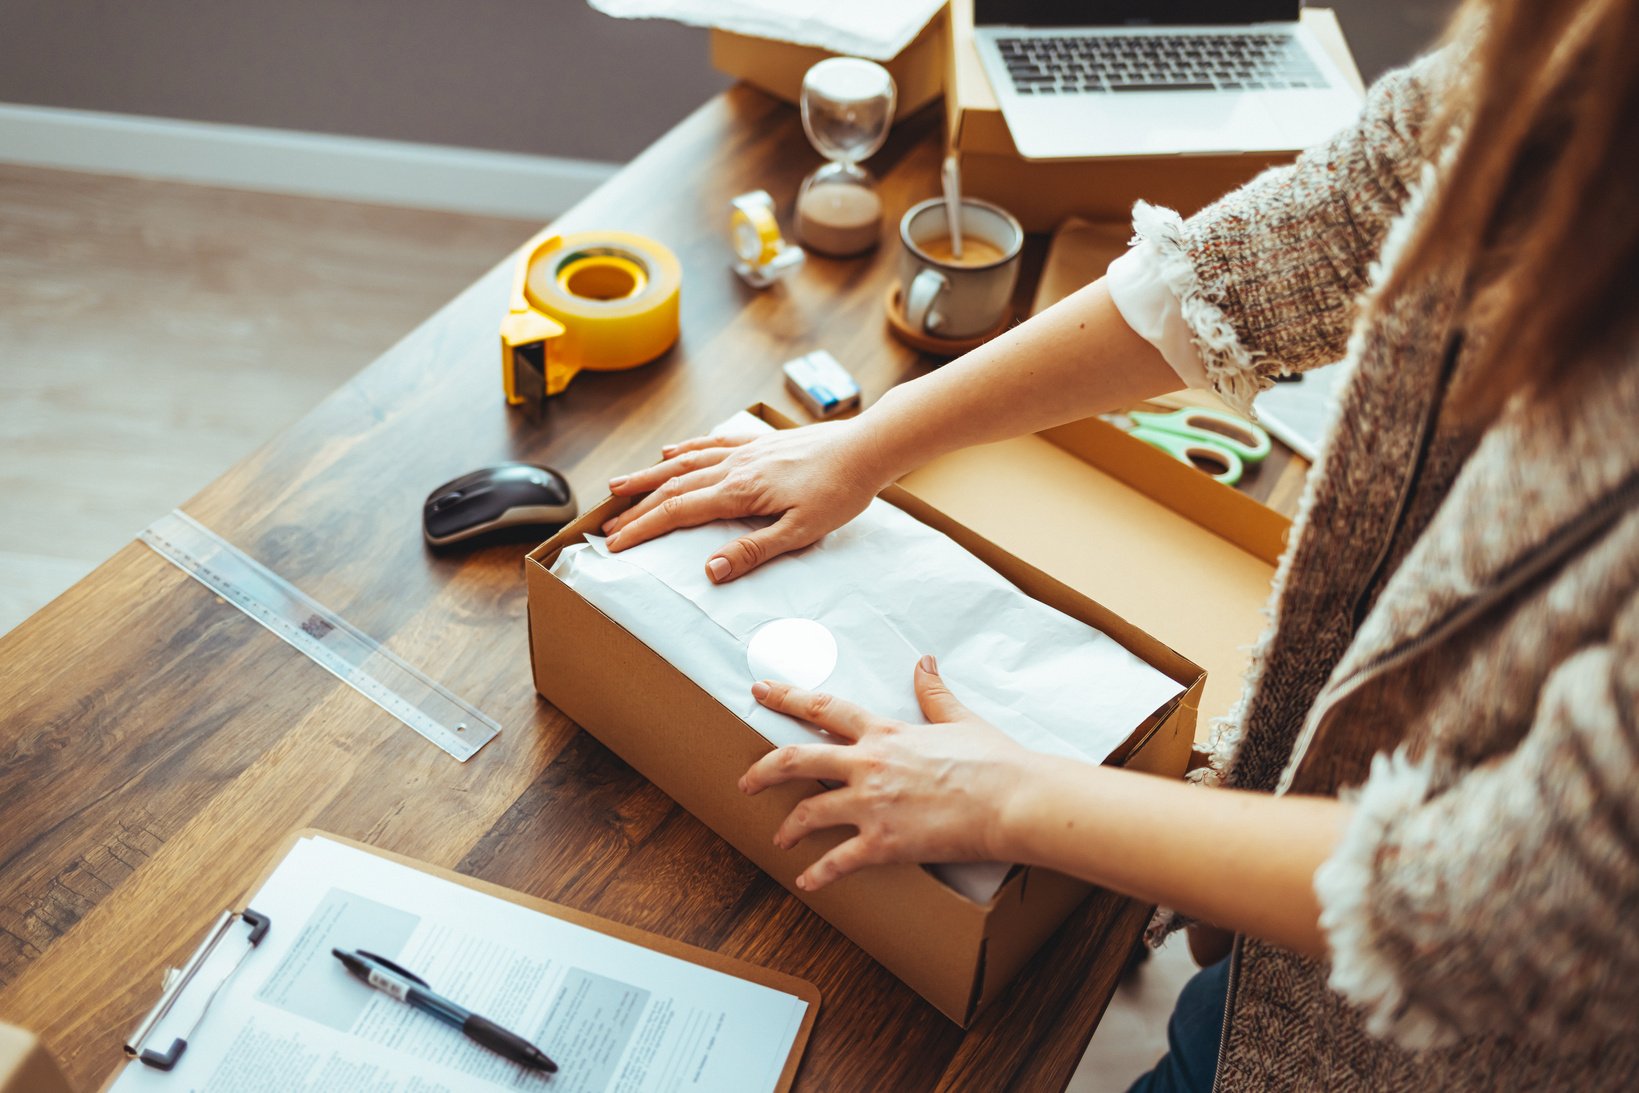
<point x="861" y="28"/>
<point x="851" y="615"/>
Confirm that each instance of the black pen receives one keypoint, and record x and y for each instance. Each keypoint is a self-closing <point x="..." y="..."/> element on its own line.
<point x="411" y="989"/>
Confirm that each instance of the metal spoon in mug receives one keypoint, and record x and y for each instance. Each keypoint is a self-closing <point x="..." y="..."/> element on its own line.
<point x="950" y="178"/>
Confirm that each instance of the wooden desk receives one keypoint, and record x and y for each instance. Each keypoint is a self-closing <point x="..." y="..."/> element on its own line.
<point x="157" y="744"/>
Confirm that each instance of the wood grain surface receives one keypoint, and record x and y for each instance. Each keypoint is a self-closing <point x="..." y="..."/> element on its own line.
<point x="156" y="744"/>
<point x="153" y="333"/>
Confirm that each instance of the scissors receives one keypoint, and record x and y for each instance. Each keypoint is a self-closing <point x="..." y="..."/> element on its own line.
<point x="1210" y="440"/>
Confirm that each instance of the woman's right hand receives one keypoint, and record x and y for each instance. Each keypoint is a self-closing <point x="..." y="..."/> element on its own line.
<point x="814" y="479"/>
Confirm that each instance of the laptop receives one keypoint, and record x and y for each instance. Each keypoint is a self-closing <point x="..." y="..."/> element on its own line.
<point x="1084" y="78"/>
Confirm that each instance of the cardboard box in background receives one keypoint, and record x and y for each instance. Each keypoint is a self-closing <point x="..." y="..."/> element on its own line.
<point x="958" y="954"/>
<point x="1042" y="193"/>
<point x="778" y="67"/>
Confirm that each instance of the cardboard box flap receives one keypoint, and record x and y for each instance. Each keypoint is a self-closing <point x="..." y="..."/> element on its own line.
<point x="1227" y="513"/>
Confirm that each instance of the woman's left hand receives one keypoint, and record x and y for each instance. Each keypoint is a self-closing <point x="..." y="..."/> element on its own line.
<point x="923" y="793"/>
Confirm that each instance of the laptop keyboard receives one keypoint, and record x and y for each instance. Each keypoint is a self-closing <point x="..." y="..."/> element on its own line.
<point x="1074" y="64"/>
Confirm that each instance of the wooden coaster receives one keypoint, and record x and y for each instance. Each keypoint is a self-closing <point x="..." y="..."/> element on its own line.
<point x="929" y="343"/>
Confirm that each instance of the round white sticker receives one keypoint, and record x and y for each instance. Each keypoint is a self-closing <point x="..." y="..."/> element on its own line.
<point x="801" y="652"/>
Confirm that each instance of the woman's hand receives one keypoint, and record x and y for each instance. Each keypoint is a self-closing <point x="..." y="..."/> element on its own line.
<point x="919" y="793"/>
<point x="815" y="479"/>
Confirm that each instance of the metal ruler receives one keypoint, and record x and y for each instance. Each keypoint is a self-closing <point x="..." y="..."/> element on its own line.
<point x="329" y="640"/>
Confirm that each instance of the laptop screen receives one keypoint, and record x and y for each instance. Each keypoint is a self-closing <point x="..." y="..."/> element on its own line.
<point x="1105" y="13"/>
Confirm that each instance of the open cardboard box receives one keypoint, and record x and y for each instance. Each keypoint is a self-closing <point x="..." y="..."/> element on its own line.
<point x="776" y="67"/>
<point x="956" y="953"/>
<point x="1042" y="193"/>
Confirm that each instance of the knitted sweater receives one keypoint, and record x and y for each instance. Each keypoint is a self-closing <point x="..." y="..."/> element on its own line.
<point x="1454" y="645"/>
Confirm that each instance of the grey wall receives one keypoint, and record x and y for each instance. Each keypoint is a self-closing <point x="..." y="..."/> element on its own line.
<point x="1386" y="33"/>
<point x="543" y="76"/>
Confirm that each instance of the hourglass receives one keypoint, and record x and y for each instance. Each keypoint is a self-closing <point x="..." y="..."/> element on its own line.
<point x="847" y="107"/>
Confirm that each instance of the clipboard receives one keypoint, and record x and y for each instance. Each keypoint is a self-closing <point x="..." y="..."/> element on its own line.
<point x="256" y="926"/>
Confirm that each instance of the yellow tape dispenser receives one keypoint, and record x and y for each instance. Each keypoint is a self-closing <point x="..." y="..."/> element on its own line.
<point x="601" y="301"/>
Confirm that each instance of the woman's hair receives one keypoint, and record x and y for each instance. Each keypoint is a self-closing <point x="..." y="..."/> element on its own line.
<point x="1538" y="205"/>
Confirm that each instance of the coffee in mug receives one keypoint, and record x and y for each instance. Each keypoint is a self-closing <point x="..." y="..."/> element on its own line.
<point x="975" y="252"/>
<point x="958" y="298"/>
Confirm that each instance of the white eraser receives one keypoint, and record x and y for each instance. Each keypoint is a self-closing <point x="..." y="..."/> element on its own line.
<point x="823" y="385"/>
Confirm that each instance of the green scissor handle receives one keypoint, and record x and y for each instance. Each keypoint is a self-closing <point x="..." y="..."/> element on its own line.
<point x="1245" y="439"/>
<point x="1211" y="456"/>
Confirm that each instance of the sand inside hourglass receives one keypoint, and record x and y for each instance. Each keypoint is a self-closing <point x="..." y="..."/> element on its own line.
<point x="839" y="217"/>
<point x="847" y="107"/>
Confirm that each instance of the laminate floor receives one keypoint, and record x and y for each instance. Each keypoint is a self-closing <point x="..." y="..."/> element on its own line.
<point x="153" y="333"/>
<point x="1133" y="1034"/>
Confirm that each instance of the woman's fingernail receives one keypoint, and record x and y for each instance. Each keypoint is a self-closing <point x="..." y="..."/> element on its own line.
<point x="613" y="542"/>
<point x="928" y="665"/>
<point x="609" y="525"/>
<point x="718" y="568"/>
<point x="802" y="882"/>
<point x="668" y="451"/>
<point x="759" y="690"/>
<point x="616" y="483"/>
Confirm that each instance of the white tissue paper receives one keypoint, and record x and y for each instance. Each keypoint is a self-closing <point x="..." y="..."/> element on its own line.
<point x="859" y="28"/>
<point x="851" y="615"/>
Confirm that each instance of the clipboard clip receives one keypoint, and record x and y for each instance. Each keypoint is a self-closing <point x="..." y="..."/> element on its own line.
<point x="177" y="981"/>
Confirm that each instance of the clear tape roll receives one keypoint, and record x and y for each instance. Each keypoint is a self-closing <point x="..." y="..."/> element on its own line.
<point x="756" y="233"/>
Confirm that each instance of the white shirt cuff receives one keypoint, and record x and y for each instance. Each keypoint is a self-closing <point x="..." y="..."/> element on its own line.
<point x="1151" y="308"/>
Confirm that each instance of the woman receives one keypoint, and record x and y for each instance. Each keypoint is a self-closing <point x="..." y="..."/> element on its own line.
<point x="1432" y="866"/>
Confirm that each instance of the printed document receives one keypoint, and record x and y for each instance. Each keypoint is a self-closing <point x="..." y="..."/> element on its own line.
<point x="616" y="1017"/>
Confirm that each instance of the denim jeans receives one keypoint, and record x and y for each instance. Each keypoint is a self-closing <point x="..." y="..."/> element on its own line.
<point x="1193" y="1033"/>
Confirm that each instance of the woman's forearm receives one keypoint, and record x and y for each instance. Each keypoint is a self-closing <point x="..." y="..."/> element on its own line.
<point x="1076" y="359"/>
<point x="1240" y="860"/>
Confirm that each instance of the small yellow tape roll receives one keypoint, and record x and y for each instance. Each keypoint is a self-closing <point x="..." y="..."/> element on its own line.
<point x="598" y="301"/>
<point x="756" y="234"/>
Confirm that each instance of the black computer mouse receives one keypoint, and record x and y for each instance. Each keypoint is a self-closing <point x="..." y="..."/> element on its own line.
<point x="494" y="499"/>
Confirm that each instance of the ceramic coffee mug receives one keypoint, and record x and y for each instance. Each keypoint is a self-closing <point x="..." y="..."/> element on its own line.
<point x="949" y="297"/>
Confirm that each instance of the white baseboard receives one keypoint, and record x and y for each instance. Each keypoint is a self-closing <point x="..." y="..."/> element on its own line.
<point x="383" y="172"/>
